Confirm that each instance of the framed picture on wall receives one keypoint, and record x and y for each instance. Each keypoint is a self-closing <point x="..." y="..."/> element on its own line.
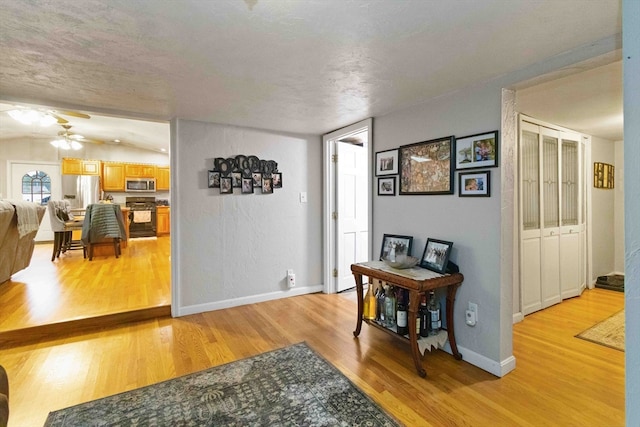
<point x="226" y="185"/>
<point x="427" y="167"/>
<point x="387" y="162"/>
<point x="387" y="186"/>
<point x="477" y="151"/>
<point x="213" y="179"/>
<point x="247" y="185"/>
<point x="474" y="184"/>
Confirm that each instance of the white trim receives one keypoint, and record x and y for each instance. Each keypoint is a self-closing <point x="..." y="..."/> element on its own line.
<point x="499" y="369"/>
<point x="329" y="201"/>
<point x="174" y="224"/>
<point x="518" y="317"/>
<point x="253" y="299"/>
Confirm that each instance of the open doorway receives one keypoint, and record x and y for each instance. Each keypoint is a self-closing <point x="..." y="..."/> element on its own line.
<point x="347" y="202"/>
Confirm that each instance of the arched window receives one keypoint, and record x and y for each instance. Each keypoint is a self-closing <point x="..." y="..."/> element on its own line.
<point x="36" y="187"/>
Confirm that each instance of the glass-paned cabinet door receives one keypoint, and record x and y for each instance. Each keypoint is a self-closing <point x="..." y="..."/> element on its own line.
<point x="570" y="182"/>
<point x="530" y="163"/>
<point x="550" y="181"/>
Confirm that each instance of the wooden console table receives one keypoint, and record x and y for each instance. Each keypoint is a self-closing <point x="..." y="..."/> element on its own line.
<point x="416" y="281"/>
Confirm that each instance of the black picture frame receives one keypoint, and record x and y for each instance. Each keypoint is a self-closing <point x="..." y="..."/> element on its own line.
<point x="436" y="255"/>
<point x="477" y="151"/>
<point x="387" y="162"/>
<point x="247" y="186"/>
<point x="389" y="239"/>
<point x="426" y="168"/>
<point x="257" y="179"/>
<point x="236" y="179"/>
<point x="267" y="185"/>
<point x="277" y="179"/>
<point x="387" y="186"/>
<point x="474" y="184"/>
<point x="226" y="185"/>
<point x="213" y="179"/>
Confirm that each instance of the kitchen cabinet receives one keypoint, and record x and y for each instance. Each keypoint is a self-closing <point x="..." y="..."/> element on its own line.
<point x="80" y="167"/>
<point x="163" y="178"/>
<point x="163" y="220"/>
<point x="113" y="176"/>
<point x="132" y="170"/>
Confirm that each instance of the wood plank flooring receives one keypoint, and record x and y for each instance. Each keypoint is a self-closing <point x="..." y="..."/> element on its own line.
<point x="74" y="288"/>
<point x="559" y="380"/>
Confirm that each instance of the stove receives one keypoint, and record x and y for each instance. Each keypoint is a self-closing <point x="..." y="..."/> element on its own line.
<point x="142" y="216"/>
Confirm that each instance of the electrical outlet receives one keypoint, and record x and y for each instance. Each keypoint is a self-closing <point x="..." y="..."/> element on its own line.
<point x="291" y="278"/>
<point x="474" y="307"/>
<point x="471" y="315"/>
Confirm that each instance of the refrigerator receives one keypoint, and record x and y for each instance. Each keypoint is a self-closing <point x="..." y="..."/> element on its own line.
<point x="81" y="190"/>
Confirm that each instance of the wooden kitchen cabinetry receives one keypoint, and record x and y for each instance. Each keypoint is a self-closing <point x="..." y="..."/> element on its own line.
<point x="163" y="220"/>
<point x="163" y="178"/>
<point x="80" y="167"/>
<point x="132" y="170"/>
<point x="113" y="176"/>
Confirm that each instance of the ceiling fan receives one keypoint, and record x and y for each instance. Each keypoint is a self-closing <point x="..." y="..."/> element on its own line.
<point x="43" y="117"/>
<point x="70" y="140"/>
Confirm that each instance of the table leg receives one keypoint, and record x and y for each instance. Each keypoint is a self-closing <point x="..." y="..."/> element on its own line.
<point x="359" y="292"/>
<point x="451" y="297"/>
<point x="412" y="312"/>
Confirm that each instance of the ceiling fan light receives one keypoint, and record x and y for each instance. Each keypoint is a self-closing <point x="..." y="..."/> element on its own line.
<point x="61" y="144"/>
<point x="75" y="145"/>
<point x="47" y="120"/>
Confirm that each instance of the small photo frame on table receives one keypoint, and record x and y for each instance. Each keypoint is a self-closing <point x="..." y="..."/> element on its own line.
<point x="427" y="167"/>
<point x="213" y="179"/>
<point x="387" y="162"/>
<point x="387" y="186"/>
<point x="436" y="255"/>
<point x="226" y="185"/>
<point x="474" y="184"/>
<point x="477" y="151"/>
<point x="402" y="245"/>
<point x="247" y="185"/>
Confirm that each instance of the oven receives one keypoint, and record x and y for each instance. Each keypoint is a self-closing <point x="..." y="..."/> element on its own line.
<point x="142" y="216"/>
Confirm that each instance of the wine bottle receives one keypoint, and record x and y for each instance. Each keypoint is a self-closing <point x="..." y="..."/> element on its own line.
<point x="380" y="306"/>
<point x="369" y="311"/>
<point x="389" y="308"/>
<point x="423" y="315"/>
<point x="434" y="314"/>
<point x="401" y="317"/>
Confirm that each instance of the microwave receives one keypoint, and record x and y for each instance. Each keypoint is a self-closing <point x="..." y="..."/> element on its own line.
<point x="140" y="185"/>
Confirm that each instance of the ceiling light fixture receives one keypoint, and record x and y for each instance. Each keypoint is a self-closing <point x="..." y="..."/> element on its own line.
<point x="66" y="144"/>
<point x="29" y="117"/>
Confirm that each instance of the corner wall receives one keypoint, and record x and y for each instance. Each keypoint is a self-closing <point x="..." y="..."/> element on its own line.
<point x="235" y="249"/>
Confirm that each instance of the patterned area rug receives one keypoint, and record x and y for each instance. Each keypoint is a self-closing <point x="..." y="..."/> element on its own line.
<point x="293" y="386"/>
<point x="609" y="332"/>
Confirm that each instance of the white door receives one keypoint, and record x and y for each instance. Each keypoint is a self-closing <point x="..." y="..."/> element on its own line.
<point x="352" y="210"/>
<point x="338" y="239"/>
<point x="17" y="170"/>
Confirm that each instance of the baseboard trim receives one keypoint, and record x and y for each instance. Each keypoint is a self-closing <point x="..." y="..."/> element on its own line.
<point x="235" y="302"/>
<point x="50" y="331"/>
<point x="518" y="317"/>
<point x="499" y="369"/>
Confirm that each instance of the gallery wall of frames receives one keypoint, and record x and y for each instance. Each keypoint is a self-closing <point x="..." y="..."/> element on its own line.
<point x="247" y="173"/>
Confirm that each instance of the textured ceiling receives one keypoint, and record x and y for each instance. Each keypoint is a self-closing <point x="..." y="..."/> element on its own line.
<point x="307" y="66"/>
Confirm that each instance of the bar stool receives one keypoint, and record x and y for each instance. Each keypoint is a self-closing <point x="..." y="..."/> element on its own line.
<point x="103" y="224"/>
<point x="63" y="224"/>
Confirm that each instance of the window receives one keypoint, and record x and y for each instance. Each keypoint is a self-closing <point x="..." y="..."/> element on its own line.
<point x="36" y="187"/>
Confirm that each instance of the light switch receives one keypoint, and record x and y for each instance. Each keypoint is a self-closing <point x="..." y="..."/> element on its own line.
<point x="303" y="197"/>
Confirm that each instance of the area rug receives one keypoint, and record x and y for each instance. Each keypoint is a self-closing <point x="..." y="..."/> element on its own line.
<point x="613" y="282"/>
<point x="292" y="386"/>
<point x="609" y="332"/>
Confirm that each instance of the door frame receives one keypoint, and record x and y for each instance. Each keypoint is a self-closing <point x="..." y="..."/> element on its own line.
<point x="329" y="197"/>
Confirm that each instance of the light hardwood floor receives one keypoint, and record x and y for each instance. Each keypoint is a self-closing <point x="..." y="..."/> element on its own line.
<point x="559" y="380"/>
<point x="72" y="287"/>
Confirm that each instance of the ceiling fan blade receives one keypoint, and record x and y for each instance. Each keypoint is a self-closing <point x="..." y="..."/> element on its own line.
<point x="71" y="113"/>
<point x="91" y="140"/>
<point x="60" y="120"/>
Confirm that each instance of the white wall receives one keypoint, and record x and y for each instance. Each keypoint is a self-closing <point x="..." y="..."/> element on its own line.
<point x="618" y="264"/>
<point x="235" y="249"/>
<point x="631" y="66"/>
<point x="602" y="212"/>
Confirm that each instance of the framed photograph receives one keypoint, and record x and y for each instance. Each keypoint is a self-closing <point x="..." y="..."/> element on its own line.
<point x="257" y="179"/>
<point x="226" y="185"/>
<point x="214" y="179"/>
<point x="603" y="174"/>
<point x="277" y="179"/>
<point x="474" y="184"/>
<point x="436" y="255"/>
<point x="267" y="185"/>
<point x="401" y="244"/>
<point x="247" y="185"/>
<point x="427" y="167"/>
<point x="236" y="179"/>
<point x="387" y="162"/>
<point x="477" y="151"/>
<point x="387" y="186"/>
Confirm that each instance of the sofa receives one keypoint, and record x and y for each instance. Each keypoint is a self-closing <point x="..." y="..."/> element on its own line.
<point x="4" y="398"/>
<point x="19" y="223"/>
